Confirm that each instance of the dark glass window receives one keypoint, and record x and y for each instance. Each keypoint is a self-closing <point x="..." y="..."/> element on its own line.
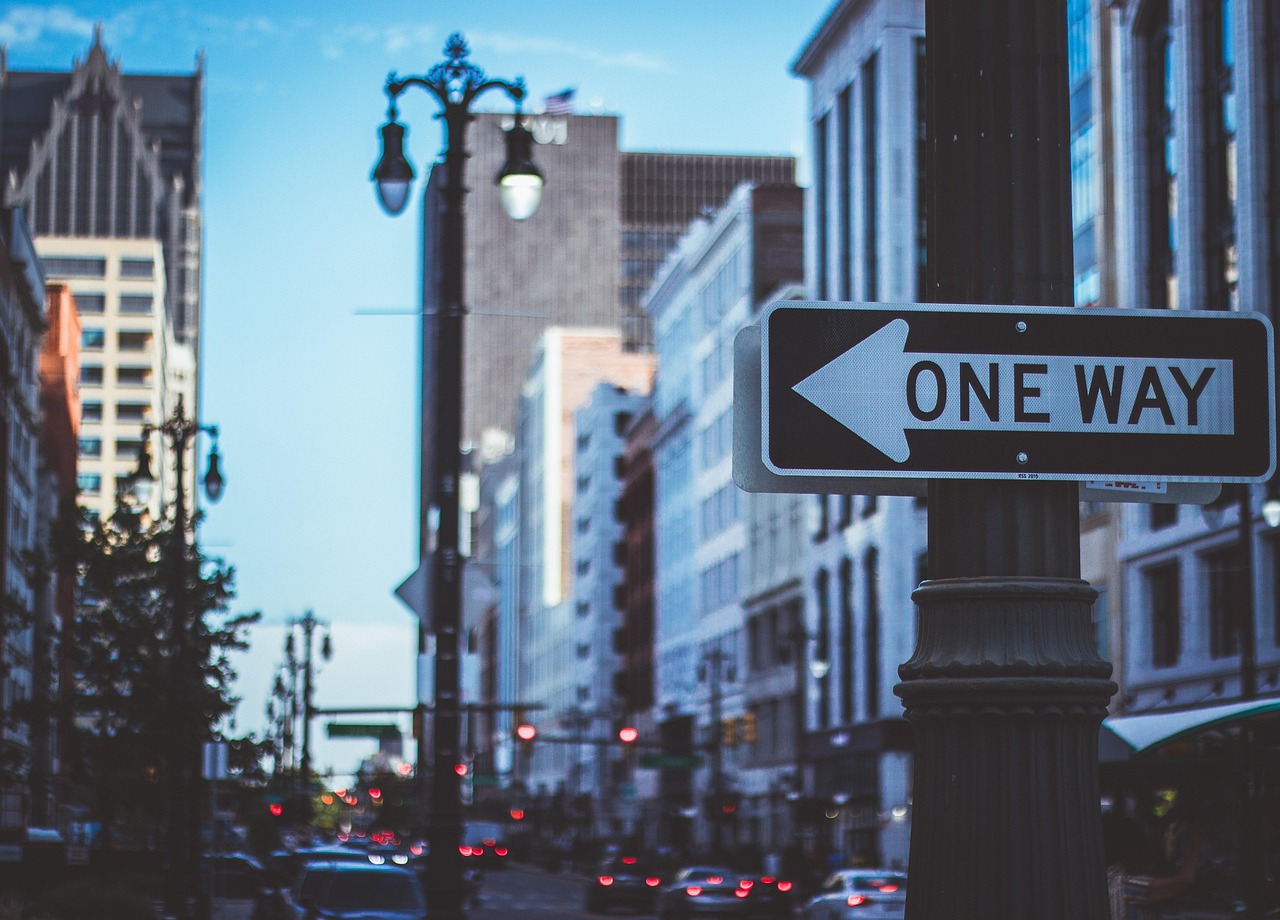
<point x="92" y="339"/>
<point x="137" y="268"/>
<point x="91" y="375"/>
<point x="845" y="577"/>
<point x="1160" y="516"/>
<point x="870" y="165"/>
<point x="1224" y="578"/>
<point x="822" y="526"/>
<point x="871" y="644"/>
<point x="1164" y="595"/>
<point x="844" y="166"/>
<point x="821" y="180"/>
<point x="90" y="303"/>
<point x="74" y="267"/>
<point x="1160" y="153"/>
<point x="1220" y="155"/>
<point x="823" y="650"/>
<point x="135" y="304"/>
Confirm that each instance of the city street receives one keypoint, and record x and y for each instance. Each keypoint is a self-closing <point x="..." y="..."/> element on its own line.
<point x="526" y="892"/>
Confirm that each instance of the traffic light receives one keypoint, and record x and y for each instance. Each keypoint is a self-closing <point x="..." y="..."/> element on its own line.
<point x="525" y="733"/>
<point x="749" y="728"/>
<point x="728" y="732"/>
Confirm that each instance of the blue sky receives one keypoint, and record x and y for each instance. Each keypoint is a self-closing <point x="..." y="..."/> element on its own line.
<point x="308" y="371"/>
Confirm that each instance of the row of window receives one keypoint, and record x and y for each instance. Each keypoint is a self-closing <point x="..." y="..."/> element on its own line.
<point x="93" y="375"/>
<point x="127" y="305"/>
<point x="717" y="439"/>
<point x="125" y="448"/>
<point x="823" y="526"/>
<point x="720" y="510"/>
<point x="720" y="584"/>
<point x="125" y="412"/>
<point x="91" y="483"/>
<point x="93" y="339"/>
<point x="96" y="267"/>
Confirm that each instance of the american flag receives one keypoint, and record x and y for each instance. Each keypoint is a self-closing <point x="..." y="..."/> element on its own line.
<point x="561" y="103"/>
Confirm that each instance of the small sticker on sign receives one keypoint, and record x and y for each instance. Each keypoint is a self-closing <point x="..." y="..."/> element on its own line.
<point x="1119" y="485"/>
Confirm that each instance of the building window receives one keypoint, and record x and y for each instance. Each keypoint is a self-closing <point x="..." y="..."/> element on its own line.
<point x="869" y="505"/>
<point x="1165" y="600"/>
<point x="1161" y="157"/>
<point x="128" y="448"/>
<point x="89" y="483"/>
<point x="823" y="650"/>
<point x="822" y="522"/>
<point x="1099" y="620"/>
<point x="75" y="267"/>
<point x="1224" y="581"/>
<point x="922" y="175"/>
<point x="135" y="304"/>
<point x="91" y="412"/>
<point x="90" y="303"/>
<point x="846" y="512"/>
<point x="871" y="642"/>
<point x="91" y="375"/>
<point x="1161" y="515"/>
<point x="844" y="203"/>
<point x="133" y="341"/>
<point x="845" y="579"/>
<point x="137" y="268"/>
<point x="870" y="189"/>
<point x="1220" y="155"/>
<point x="92" y="339"/>
<point x="132" y="412"/>
<point x="821" y="180"/>
<point x="133" y="376"/>
<point x="91" y="447"/>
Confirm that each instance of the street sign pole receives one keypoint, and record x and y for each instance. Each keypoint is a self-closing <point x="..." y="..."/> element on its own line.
<point x="1005" y="690"/>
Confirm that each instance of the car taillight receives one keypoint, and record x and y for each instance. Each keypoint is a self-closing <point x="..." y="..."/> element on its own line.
<point x="477" y="851"/>
<point x="464" y="850"/>
<point x="858" y="900"/>
<point x="489" y="841"/>
<point x="767" y="880"/>
<point x="741" y="892"/>
<point x="628" y="860"/>
<point x="715" y="879"/>
<point x="500" y="851"/>
<point x="745" y="883"/>
<point x="653" y="881"/>
<point x="888" y="889"/>
<point x="606" y="880"/>
<point x="784" y="886"/>
<point x="693" y="891"/>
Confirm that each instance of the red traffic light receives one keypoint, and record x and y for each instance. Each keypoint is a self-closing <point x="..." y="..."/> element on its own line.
<point x="526" y="732"/>
<point x="627" y="734"/>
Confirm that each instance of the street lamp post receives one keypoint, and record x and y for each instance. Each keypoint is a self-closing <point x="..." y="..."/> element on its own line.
<point x="455" y="83"/>
<point x="179" y="433"/>
<point x="816" y="667"/>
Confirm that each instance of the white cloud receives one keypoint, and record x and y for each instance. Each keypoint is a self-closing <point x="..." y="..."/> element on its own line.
<point x="29" y="25"/>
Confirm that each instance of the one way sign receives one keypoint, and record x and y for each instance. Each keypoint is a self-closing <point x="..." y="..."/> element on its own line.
<point x="948" y="391"/>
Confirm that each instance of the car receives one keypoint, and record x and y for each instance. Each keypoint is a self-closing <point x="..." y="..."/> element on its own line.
<point x="860" y="894"/>
<point x="700" y="891"/>
<point x="771" y="897"/>
<point x="485" y="841"/>
<point x="623" y="881"/>
<point x="238" y="885"/>
<point x="333" y="891"/>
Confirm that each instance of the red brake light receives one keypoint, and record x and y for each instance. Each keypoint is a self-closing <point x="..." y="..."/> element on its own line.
<point x="766" y="880"/>
<point x="784" y="886"/>
<point x="628" y="860"/>
<point x="857" y="900"/>
<point x="477" y="851"/>
<point x="888" y="889"/>
<point x="606" y="880"/>
<point x="715" y="879"/>
<point x="741" y="892"/>
<point x="693" y="891"/>
<point x="464" y="850"/>
<point x="489" y="841"/>
<point x="653" y="882"/>
<point x="499" y="851"/>
<point x="745" y="883"/>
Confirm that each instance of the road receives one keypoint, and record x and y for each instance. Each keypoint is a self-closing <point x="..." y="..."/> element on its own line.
<point x="531" y="894"/>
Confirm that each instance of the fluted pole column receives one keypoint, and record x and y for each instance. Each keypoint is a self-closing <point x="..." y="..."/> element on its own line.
<point x="1005" y="689"/>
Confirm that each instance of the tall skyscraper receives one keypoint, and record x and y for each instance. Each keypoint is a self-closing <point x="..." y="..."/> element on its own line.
<point x="106" y="166"/>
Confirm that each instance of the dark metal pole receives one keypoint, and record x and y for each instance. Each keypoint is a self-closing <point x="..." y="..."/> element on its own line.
<point x="308" y="629"/>
<point x="1005" y="689"/>
<point x="717" y="758"/>
<point x="1246" y="627"/>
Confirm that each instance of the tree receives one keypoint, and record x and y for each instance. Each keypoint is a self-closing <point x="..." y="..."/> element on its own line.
<point x="148" y="659"/>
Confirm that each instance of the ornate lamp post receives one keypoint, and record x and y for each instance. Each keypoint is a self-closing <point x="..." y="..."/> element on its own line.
<point x="455" y="83"/>
<point x="179" y="433"/>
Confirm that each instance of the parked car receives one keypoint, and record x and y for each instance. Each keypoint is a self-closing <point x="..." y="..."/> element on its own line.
<point x="698" y="891"/>
<point x="238" y="885"/>
<point x="623" y="881"/>
<point x="333" y="891"/>
<point x="485" y="841"/>
<point x="771" y="897"/>
<point x="860" y="894"/>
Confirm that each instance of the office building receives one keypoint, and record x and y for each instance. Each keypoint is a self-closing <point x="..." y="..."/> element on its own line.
<point x="107" y="166"/>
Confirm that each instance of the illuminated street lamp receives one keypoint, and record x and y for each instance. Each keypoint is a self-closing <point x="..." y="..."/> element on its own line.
<point x="455" y="83"/>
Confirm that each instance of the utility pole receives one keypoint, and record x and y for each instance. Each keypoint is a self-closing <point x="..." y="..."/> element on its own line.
<point x="1005" y="689"/>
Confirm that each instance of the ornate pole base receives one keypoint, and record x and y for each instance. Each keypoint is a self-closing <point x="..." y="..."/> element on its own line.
<point x="1006" y="692"/>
